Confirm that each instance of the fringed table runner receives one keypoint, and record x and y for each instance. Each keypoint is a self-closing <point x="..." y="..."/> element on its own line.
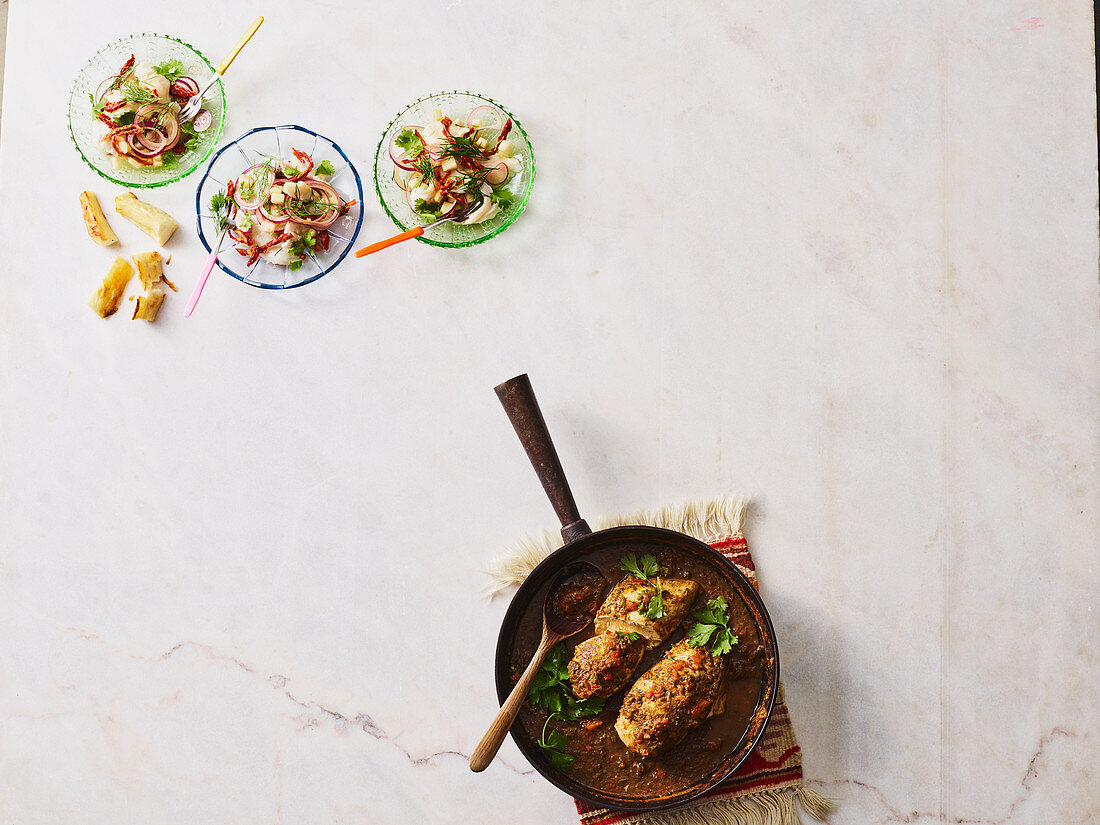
<point x="764" y="789"/>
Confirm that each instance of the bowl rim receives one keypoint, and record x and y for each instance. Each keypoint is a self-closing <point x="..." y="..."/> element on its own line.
<point x="220" y="85"/>
<point x="576" y="549"/>
<point x="445" y="244"/>
<point x="209" y="168"/>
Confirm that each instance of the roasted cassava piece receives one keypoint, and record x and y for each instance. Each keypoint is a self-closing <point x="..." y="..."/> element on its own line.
<point x="106" y="299"/>
<point x="148" y="305"/>
<point x="154" y="222"/>
<point x="95" y="221"/>
<point x="681" y="691"/>
<point x="604" y="664"/>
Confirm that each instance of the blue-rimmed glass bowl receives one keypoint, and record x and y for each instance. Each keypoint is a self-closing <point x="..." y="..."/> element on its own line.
<point x="455" y="105"/>
<point x="248" y="150"/>
<point x="151" y="49"/>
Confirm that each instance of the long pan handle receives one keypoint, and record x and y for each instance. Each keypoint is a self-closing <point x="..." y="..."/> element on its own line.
<point x="518" y="398"/>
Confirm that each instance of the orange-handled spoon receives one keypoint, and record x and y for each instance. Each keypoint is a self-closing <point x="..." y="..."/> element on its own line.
<point x="417" y="231"/>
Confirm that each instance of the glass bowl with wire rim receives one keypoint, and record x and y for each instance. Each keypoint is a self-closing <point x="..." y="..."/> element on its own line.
<point x="456" y="105"/>
<point x="277" y="141"/>
<point x="151" y="49"/>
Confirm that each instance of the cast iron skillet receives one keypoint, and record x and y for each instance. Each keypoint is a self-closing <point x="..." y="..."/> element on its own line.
<point x="519" y="402"/>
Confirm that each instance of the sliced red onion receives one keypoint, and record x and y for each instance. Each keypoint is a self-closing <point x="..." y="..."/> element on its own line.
<point x="186" y="83"/>
<point x="488" y="117"/>
<point x="497" y="172"/>
<point x="259" y="188"/>
<point x="276" y="219"/>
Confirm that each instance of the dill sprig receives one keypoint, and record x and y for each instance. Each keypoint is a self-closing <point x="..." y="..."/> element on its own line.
<point x="220" y="205"/>
<point x="310" y="209"/>
<point x="133" y="91"/>
<point x="462" y="148"/>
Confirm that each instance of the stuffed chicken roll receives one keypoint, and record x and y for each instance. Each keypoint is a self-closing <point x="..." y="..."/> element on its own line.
<point x="684" y="688"/>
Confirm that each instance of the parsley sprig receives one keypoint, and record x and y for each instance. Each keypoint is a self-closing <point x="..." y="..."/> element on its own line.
<point x="647" y="569"/>
<point x="551" y="691"/>
<point x="712" y="627"/>
<point x="553" y="744"/>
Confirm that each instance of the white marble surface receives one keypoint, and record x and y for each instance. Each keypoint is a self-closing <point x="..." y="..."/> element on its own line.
<point x="840" y="257"/>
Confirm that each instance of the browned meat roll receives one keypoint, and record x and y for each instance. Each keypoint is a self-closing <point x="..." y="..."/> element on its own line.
<point x="603" y="665"/>
<point x="621" y="610"/>
<point x="675" y="695"/>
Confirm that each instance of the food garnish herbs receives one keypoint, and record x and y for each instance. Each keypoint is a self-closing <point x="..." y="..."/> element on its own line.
<point x="220" y="205"/>
<point x="171" y="69"/>
<point x="551" y="691"/>
<point x="712" y="627"/>
<point x="553" y="744"/>
<point x="648" y="571"/>
<point x="325" y="168"/>
<point x="409" y="142"/>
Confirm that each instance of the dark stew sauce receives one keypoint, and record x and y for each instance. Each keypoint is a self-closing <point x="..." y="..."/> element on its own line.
<point x="603" y="762"/>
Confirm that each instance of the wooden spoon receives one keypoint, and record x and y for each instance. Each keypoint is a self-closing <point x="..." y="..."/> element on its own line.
<point x="554" y="628"/>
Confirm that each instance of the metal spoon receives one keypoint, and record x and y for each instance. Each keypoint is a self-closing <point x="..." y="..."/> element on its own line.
<point x="194" y="105"/>
<point x="554" y="629"/>
<point x="458" y="217"/>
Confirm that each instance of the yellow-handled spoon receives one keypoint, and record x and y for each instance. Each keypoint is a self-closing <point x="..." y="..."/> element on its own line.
<point x="194" y="105"/>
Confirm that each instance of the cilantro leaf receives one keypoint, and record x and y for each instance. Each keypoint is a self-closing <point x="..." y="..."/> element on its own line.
<point x="294" y="266"/>
<point x="630" y="637"/>
<point x="171" y="69"/>
<point x="712" y="626"/>
<point x="409" y="142"/>
<point x="551" y="690"/>
<point x="645" y="568"/>
<point x="655" y="607"/>
<point x="97" y="105"/>
<point x="724" y="640"/>
<point x="553" y="744"/>
<point x="326" y="168"/>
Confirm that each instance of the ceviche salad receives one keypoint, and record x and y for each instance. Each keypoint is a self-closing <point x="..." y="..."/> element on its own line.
<point x="453" y="164"/>
<point x="280" y="209"/>
<point x="138" y="113"/>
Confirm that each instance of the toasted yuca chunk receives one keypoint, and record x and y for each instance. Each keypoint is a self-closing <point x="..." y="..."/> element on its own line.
<point x="95" y="221"/>
<point x="156" y="223"/>
<point x="621" y="609"/>
<point x="105" y="301"/>
<point x="604" y="664"/>
<point x="148" y="305"/>
<point x="148" y="268"/>
<point x="683" y="689"/>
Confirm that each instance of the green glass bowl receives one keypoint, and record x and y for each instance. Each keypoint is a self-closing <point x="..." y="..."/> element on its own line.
<point x="392" y="196"/>
<point x="151" y="49"/>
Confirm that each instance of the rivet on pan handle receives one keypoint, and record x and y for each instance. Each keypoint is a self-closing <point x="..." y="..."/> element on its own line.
<point x="518" y="398"/>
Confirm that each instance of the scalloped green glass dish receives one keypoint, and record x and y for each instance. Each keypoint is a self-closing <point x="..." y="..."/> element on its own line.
<point x="392" y="197"/>
<point x="152" y="49"/>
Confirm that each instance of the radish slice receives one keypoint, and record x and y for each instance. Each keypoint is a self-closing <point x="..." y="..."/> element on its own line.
<point x="498" y="172"/>
<point x="203" y="121"/>
<point x="401" y="177"/>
